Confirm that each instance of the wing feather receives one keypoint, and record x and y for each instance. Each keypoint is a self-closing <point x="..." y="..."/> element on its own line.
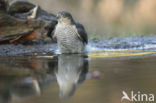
<point x="81" y="33"/>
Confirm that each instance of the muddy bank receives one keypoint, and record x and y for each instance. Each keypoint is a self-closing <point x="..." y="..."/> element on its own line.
<point x="14" y="50"/>
<point x="137" y="42"/>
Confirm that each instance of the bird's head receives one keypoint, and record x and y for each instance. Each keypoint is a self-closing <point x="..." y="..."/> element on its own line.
<point x="64" y="17"/>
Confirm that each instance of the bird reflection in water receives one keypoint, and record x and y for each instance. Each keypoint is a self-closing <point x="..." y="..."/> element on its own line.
<point x="23" y="79"/>
<point x="71" y="71"/>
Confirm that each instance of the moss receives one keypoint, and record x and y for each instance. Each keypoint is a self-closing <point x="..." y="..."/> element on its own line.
<point x="95" y="37"/>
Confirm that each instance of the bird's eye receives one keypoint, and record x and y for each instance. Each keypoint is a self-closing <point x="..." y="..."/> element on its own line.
<point x="64" y="15"/>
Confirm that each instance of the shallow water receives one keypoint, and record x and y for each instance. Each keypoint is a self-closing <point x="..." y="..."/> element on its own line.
<point x="100" y="77"/>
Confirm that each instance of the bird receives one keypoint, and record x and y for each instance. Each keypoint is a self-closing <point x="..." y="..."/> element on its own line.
<point x="71" y="36"/>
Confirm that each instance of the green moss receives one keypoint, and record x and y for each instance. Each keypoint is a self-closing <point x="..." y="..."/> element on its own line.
<point x="94" y="37"/>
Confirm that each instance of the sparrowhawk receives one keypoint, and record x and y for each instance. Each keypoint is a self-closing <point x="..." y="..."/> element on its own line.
<point x="70" y="35"/>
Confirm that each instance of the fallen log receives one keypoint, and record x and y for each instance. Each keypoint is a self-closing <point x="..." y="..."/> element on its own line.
<point x="20" y="25"/>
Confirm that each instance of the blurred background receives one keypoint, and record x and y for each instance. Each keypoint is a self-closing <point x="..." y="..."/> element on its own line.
<point x="108" y="18"/>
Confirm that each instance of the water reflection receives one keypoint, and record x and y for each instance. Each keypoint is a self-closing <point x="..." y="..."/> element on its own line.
<point x="24" y="78"/>
<point x="71" y="71"/>
<point x="12" y="87"/>
<point x="38" y="80"/>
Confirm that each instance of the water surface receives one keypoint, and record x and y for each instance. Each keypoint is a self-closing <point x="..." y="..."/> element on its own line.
<point x="98" y="78"/>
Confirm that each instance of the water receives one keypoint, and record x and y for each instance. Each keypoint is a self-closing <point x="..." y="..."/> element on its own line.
<point x="99" y="77"/>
